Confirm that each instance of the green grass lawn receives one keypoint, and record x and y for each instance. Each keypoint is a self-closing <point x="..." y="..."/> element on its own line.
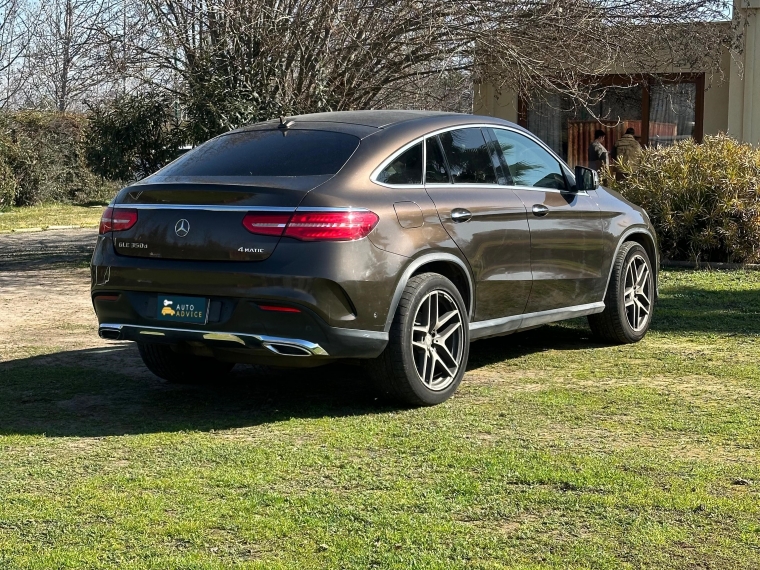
<point x="556" y="453"/>
<point x="48" y="215"/>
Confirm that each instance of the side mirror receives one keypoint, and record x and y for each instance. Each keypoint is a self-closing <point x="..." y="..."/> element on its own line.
<point x="585" y="179"/>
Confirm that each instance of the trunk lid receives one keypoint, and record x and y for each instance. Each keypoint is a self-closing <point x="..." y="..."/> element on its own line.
<point x="204" y="220"/>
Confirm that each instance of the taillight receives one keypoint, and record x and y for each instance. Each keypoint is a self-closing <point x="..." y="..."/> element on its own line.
<point x="332" y="226"/>
<point x="105" y="221"/>
<point x="266" y="223"/>
<point x="117" y="220"/>
<point x="313" y="226"/>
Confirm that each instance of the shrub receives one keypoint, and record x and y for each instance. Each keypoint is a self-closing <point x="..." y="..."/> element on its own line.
<point x="132" y="136"/>
<point x="702" y="198"/>
<point x="7" y="186"/>
<point x="44" y="151"/>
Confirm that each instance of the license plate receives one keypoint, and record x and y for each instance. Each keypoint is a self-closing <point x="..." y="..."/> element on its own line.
<point x="182" y="309"/>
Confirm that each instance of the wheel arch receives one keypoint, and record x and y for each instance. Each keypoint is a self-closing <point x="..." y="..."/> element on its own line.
<point x="645" y="239"/>
<point x="446" y="264"/>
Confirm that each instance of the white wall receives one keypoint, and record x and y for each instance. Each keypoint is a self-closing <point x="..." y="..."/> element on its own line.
<point x="744" y="92"/>
<point x="724" y="96"/>
<point x="502" y="105"/>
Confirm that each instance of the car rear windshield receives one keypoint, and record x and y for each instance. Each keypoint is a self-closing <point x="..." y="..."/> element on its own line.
<point x="267" y="153"/>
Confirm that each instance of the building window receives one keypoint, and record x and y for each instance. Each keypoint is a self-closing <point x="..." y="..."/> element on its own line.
<point x="672" y="113"/>
<point x="660" y="110"/>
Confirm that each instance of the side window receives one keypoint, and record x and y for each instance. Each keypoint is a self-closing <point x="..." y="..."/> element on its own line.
<point x="435" y="165"/>
<point x="405" y="169"/>
<point x="468" y="156"/>
<point x="529" y="163"/>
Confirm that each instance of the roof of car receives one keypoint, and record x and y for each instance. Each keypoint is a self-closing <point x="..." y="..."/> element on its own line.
<point x="372" y="118"/>
<point x="365" y="123"/>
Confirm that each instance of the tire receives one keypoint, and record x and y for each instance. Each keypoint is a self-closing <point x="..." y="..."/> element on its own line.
<point x="180" y="368"/>
<point x="419" y="347"/>
<point x="629" y="301"/>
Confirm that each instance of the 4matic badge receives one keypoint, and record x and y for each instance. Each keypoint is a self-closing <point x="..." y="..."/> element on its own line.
<point x="250" y="250"/>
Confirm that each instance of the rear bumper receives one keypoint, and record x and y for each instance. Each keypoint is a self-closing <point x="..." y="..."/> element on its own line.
<point x="342" y="302"/>
<point x="242" y="326"/>
<point x="344" y="285"/>
<point x="355" y="344"/>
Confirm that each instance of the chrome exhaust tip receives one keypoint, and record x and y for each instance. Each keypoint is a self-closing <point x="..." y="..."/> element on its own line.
<point x="283" y="349"/>
<point x="108" y="333"/>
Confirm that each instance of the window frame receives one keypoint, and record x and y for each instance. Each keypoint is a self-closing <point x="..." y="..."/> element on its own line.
<point x="396" y="155"/>
<point x="516" y="129"/>
<point x="438" y="143"/>
<point x="446" y="158"/>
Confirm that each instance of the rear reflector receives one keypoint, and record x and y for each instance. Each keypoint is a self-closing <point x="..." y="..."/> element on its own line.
<point x="279" y="308"/>
<point x="106" y="297"/>
<point x="117" y="220"/>
<point x="313" y="226"/>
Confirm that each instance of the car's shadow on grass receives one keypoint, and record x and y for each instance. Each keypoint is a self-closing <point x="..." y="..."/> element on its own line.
<point x="102" y="392"/>
<point x="692" y="309"/>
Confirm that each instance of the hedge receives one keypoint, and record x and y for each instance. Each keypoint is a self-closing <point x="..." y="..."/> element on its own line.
<point x="43" y="159"/>
<point x="702" y="198"/>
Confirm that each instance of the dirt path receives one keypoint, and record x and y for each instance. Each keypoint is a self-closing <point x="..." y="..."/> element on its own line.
<point x="46" y="316"/>
<point x="45" y="309"/>
<point x="19" y="251"/>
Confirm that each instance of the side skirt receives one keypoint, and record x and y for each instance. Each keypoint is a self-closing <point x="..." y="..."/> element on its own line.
<point x="496" y="327"/>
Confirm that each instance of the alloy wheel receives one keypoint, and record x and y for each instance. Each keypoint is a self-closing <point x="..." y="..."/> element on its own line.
<point x="438" y="340"/>
<point x="638" y="294"/>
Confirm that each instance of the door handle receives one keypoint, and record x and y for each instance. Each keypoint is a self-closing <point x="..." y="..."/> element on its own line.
<point x="460" y="215"/>
<point x="540" y="210"/>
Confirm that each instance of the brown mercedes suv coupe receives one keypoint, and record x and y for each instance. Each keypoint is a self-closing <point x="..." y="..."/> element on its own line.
<point x="396" y="237"/>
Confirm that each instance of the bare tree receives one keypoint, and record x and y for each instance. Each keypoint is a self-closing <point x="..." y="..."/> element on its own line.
<point x="239" y="60"/>
<point x="15" y="33"/>
<point x="556" y="46"/>
<point x="66" y="60"/>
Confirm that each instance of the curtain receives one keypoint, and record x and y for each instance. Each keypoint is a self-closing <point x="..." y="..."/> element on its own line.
<point x="545" y="121"/>
<point x="672" y="113"/>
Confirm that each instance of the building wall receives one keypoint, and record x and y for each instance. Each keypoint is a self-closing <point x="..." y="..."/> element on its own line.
<point x="716" y="119"/>
<point x="744" y="89"/>
<point x="716" y="100"/>
<point x="732" y="102"/>
<point x="502" y="105"/>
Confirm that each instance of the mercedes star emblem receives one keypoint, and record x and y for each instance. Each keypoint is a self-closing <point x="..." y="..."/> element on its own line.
<point x="182" y="228"/>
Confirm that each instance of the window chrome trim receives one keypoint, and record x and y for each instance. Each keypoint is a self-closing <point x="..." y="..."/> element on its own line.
<point x="502" y="186"/>
<point x="552" y="190"/>
<point x="527" y="134"/>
